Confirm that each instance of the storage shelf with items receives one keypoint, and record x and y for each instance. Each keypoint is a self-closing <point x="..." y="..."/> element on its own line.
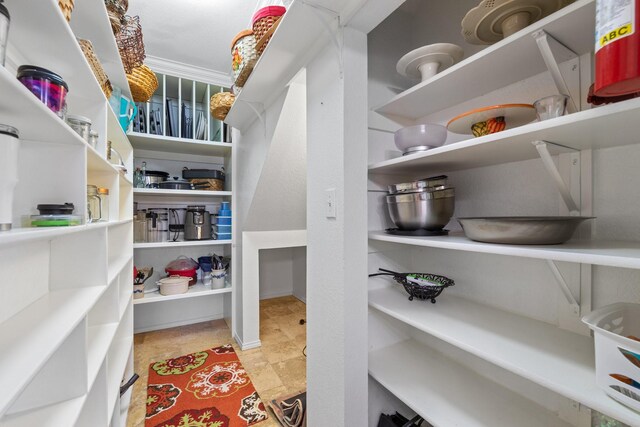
<point x="58" y="318"/>
<point x="580" y="153"/>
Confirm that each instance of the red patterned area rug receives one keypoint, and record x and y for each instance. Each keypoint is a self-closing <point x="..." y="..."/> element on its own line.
<point x="205" y="389"/>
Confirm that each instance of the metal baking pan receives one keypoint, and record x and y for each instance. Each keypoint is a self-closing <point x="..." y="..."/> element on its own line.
<point x="202" y="174"/>
<point x="521" y="230"/>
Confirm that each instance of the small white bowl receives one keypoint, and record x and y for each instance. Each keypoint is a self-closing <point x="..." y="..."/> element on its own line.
<point x="420" y="137"/>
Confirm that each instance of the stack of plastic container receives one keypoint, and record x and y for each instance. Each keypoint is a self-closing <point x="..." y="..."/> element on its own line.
<point x="222" y="228"/>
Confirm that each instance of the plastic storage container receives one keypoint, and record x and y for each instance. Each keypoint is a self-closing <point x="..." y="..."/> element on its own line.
<point x="185" y="267"/>
<point x="55" y="220"/>
<point x="223" y="229"/>
<point x="223" y="220"/>
<point x="225" y="205"/>
<point x="616" y="330"/>
<point x="80" y="124"/>
<point x="46" y="85"/>
<point x="222" y="236"/>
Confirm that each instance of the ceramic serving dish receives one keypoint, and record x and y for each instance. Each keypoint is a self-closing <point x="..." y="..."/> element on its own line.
<point x="488" y="120"/>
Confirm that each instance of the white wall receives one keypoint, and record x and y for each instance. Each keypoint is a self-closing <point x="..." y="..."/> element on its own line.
<point x="300" y="273"/>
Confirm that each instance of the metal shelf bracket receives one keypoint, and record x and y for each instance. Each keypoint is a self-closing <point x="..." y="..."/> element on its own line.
<point x="553" y="53"/>
<point x="547" y="160"/>
<point x="564" y="287"/>
<point x="336" y="38"/>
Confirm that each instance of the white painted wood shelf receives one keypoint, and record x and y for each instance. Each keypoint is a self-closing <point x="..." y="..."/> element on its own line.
<point x="510" y="60"/>
<point x="99" y="339"/>
<point x="609" y="253"/>
<point x="30" y="337"/>
<point x="603" y="127"/>
<point x="559" y="360"/>
<point x="116" y="266"/>
<point x="448" y="394"/>
<point x="141" y="193"/>
<point x="181" y="244"/>
<point x="60" y="414"/>
<point x="169" y="144"/>
<point x="196" y="290"/>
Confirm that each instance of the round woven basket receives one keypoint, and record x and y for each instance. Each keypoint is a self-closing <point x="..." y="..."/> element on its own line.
<point x="243" y="56"/>
<point x="66" y="6"/>
<point x="143" y="83"/>
<point x="220" y="104"/>
<point x="264" y="24"/>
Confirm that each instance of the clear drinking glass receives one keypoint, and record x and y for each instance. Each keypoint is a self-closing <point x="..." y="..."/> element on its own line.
<point x="551" y="107"/>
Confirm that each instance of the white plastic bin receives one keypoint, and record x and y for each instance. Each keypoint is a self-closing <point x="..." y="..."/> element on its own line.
<point x="616" y="353"/>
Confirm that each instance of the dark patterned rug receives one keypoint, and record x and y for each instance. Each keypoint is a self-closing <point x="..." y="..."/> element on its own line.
<point x="205" y="389"/>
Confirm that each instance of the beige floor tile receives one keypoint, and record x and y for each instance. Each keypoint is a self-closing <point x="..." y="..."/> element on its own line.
<point x="264" y="378"/>
<point x="292" y="373"/>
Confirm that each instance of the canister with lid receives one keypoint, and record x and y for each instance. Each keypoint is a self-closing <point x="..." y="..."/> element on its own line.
<point x="103" y="194"/>
<point x="80" y="124"/>
<point x="94" y="204"/>
<point x="9" y="144"/>
<point x="93" y="138"/>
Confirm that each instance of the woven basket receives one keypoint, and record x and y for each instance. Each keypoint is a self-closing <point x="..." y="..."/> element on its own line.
<point x="220" y="104"/>
<point x="66" y="6"/>
<point x="143" y="83"/>
<point x="243" y="56"/>
<point x="263" y="23"/>
<point x="116" y="9"/>
<point x="96" y="67"/>
<point x="262" y="42"/>
<point x="213" y="184"/>
<point x="131" y="44"/>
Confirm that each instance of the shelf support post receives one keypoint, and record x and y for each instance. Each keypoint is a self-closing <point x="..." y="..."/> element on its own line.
<point x="321" y="11"/>
<point x="553" y="53"/>
<point x="547" y="160"/>
<point x="564" y="287"/>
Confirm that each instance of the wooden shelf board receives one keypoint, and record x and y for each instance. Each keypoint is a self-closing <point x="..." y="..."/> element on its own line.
<point x="448" y="394"/>
<point x="168" y="144"/>
<point x="609" y="253"/>
<point x="518" y="54"/>
<point x="30" y="337"/>
<point x="194" y="291"/>
<point x="559" y="360"/>
<point x="603" y="127"/>
<point x="181" y="244"/>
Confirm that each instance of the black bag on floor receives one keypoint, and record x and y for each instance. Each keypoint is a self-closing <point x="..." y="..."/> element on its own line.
<point x="398" y="420"/>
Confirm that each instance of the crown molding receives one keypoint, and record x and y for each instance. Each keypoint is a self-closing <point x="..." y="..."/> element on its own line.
<point x="179" y="69"/>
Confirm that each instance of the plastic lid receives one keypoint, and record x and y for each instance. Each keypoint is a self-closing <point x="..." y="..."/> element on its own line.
<point x="103" y="191"/>
<point x="4" y="11"/>
<point x="34" y="71"/>
<point x="9" y="130"/>
<point x="268" y="11"/>
<point x="240" y="35"/>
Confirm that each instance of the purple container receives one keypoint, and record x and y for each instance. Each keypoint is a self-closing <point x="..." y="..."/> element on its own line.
<point x="46" y="85"/>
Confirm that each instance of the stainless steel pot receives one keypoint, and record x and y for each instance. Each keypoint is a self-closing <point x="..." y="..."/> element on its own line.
<point x="430" y="210"/>
<point x="175" y="183"/>
<point x="433" y="183"/>
<point x="152" y="179"/>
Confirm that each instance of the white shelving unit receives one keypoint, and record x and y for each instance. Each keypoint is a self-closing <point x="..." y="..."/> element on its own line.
<point x="181" y="244"/>
<point x="196" y="290"/>
<point x="141" y="192"/>
<point x="55" y="318"/>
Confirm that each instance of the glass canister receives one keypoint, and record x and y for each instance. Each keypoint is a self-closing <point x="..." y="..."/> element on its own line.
<point x="93" y="138"/>
<point x="103" y="193"/>
<point x="81" y="124"/>
<point x="5" y="19"/>
<point x="140" y="231"/>
<point x="9" y="147"/>
<point x="94" y="204"/>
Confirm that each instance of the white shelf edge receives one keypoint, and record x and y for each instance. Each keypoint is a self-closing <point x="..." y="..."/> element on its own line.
<point x="99" y="339"/>
<point x="64" y="413"/>
<point x="429" y="383"/>
<point x="123" y="348"/>
<point x="116" y="267"/>
<point x="153" y="297"/>
<point x="191" y="193"/>
<point x="608" y="253"/>
<point x="181" y="244"/>
<point x="559" y="360"/>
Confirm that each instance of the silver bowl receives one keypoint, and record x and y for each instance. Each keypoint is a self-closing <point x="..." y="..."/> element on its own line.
<point x="429" y="210"/>
<point x="521" y="230"/>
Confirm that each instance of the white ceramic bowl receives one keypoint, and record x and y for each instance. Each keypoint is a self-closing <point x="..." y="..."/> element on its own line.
<point x="174" y="285"/>
<point x="420" y="137"/>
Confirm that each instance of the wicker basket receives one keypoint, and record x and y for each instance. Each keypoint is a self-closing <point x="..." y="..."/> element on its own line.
<point x="211" y="184"/>
<point x="264" y="21"/>
<point x="243" y="56"/>
<point x="66" y="6"/>
<point x="116" y="9"/>
<point x="143" y="83"/>
<point x="131" y="44"/>
<point x="221" y="104"/>
<point x="96" y="67"/>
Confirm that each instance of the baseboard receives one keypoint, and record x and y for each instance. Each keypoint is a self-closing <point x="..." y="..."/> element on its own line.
<point x="303" y="299"/>
<point x="168" y="325"/>
<point x="247" y="346"/>
<point x="279" y="294"/>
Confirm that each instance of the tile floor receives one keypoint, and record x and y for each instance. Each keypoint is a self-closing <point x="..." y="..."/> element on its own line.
<point x="277" y="368"/>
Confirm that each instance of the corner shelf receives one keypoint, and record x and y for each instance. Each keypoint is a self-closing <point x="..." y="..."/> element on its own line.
<point x="181" y="244"/>
<point x="556" y="359"/>
<point x="608" y="253"/>
<point x="446" y="393"/>
<point x="196" y="290"/>
<point x="169" y="144"/>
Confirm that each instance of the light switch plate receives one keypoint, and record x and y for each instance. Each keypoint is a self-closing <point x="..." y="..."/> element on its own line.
<point x="330" y="202"/>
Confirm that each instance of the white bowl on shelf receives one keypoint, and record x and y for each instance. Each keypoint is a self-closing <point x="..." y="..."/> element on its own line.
<point x="422" y="137"/>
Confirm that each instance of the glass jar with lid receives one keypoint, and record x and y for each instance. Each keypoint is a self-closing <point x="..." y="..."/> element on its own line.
<point x="103" y="193"/>
<point x="94" y="204"/>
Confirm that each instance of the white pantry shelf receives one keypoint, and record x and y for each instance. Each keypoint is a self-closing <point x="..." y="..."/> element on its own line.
<point x="603" y="127"/>
<point x="169" y="144"/>
<point x="60" y="414"/>
<point x="99" y="340"/>
<point x="559" y="360"/>
<point x="117" y="362"/>
<point x="30" y="337"/>
<point x="140" y="193"/>
<point x="300" y="34"/>
<point x="608" y="253"/>
<point x="181" y="244"/>
<point x="448" y="394"/>
<point x="116" y="266"/>
<point x="196" y="290"/>
<point x="512" y="59"/>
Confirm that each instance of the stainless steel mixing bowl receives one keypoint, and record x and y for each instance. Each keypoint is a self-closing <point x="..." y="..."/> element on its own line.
<point x="523" y="230"/>
<point x="430" y="210"/>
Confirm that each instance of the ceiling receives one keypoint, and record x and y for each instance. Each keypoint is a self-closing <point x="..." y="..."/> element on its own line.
<point x="193" y="32"/>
